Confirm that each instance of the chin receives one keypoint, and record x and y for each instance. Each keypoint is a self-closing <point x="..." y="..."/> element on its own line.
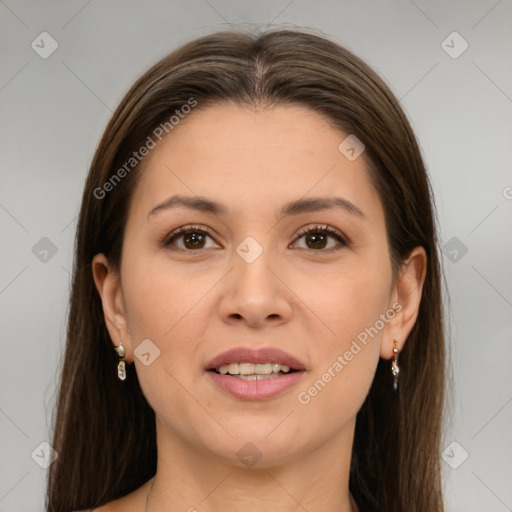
<point x="257" y="448"/>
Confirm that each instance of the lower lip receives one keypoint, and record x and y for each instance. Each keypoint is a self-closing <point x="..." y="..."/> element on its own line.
<point x="255" y="389"/>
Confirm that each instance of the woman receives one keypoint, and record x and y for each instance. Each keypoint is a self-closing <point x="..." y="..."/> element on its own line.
<point x="256" y="315"/>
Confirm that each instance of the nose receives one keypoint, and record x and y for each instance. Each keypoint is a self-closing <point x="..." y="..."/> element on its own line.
<point x="255" y="293"/>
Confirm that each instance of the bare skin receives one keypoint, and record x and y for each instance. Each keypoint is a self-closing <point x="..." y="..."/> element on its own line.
<point x="308" y="299"/>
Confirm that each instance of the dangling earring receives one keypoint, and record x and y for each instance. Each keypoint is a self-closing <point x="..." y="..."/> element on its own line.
<point x="395" y="369"/>
<point x="121" y="365"/>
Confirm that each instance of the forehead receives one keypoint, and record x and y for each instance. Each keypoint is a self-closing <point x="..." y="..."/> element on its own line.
<point x="254" y="161"/>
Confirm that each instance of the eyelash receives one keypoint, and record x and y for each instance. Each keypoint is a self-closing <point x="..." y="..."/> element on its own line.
<point x="322" y="229"/>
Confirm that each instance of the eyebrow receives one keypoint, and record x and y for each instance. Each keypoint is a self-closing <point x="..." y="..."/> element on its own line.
<point x="313" y="204"/>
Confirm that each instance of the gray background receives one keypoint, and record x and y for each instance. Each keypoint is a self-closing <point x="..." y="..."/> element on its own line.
<point x="55" y="109"/>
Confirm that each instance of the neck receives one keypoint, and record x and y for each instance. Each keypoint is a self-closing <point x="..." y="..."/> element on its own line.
<point x="189" y="480"/>
<point x="353" y="504"/>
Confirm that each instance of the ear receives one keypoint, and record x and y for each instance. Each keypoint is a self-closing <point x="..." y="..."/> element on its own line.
<point x="406" y="298"/>
<point x="108" y="284"/>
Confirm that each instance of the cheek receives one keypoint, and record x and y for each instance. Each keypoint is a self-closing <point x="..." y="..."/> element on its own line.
<point x="150" y="304"/>
<point x="351" y="298"/>
<point x="158" y="298"/>
<point x="352" y="307"/>
<point x="165" y="307"/>
<point x="168" y="307"/>
<point x="345" y="363"/>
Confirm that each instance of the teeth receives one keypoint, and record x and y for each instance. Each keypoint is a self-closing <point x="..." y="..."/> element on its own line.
<point x="257" y="377"/>
<point x="250" y="369"/>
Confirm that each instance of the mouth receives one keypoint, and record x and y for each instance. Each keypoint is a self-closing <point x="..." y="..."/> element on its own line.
<point x="255" y="374"/>
<point x="246" y="361"/>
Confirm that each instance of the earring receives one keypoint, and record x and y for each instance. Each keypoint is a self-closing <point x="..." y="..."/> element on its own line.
<point x="121" y="365"/>
<point x="395" y="369"/>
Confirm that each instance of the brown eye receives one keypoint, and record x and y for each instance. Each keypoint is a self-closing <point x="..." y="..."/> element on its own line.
<point x="192" y="239"/>
<point x="317" y="238"/>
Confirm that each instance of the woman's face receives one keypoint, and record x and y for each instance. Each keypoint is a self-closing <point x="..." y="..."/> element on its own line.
<point x="247" y="276"/>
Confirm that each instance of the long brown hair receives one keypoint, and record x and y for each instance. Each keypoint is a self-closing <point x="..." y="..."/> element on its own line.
<point x="104" y="434"/>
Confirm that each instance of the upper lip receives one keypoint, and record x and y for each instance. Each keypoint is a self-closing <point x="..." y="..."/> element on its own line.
<point x="251" y="355"/>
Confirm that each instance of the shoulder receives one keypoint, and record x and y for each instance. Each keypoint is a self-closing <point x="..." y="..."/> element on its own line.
<point x="132" y="502"/>
<point x="103" y="508"/>
<point x="108" y="507"/>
